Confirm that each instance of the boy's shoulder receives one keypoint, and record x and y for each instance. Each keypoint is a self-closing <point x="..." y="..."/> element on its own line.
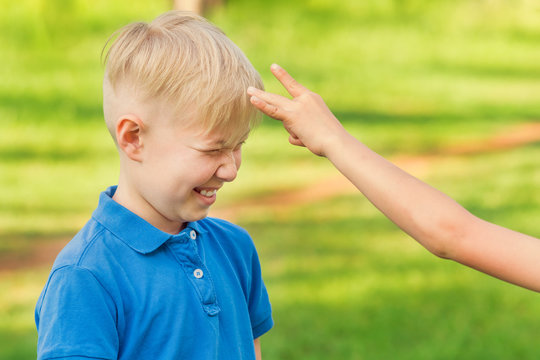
<point x="89" y="239"/>
<point x="88" y="245"/>
<point x="213" y="224"/>
<point x="224" y="231"/>
<point x="95" y="243"/>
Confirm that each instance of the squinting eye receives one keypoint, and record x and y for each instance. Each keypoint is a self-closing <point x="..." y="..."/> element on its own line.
<point x="210" y="151"/>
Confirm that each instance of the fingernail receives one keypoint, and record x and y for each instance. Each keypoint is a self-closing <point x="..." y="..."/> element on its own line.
<point x="254" y="99"/>
<point x="275" y="67"/>
<point x="251" y="90"/>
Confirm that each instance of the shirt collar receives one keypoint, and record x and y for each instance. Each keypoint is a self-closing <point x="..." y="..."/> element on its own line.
<point x="133" y="230"/>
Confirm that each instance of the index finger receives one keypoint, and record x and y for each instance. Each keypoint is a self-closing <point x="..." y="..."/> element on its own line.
<point x="291" y="85"/>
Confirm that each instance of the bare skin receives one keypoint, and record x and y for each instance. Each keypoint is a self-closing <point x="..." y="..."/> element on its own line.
<point x="257" y="344"/>
<point x="432" y="218"/>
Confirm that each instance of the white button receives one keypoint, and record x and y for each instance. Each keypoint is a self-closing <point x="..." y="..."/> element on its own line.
<point x="198" y="273"/>
<point x="193" y="234"/>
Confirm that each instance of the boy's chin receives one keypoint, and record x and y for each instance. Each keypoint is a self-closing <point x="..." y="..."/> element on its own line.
<point x="198" y="216"/>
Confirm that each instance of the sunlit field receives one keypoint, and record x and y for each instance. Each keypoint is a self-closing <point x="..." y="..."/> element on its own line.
<point x="418" y="81"/>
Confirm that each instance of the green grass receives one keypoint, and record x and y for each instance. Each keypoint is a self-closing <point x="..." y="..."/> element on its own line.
<point x="349" y="285"/>
<point x="405" y="76"/>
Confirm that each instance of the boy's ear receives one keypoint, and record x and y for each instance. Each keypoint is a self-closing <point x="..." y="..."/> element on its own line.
<point x="129" y="129"/>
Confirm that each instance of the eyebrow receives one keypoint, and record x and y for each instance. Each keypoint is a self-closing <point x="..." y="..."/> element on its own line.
<point x="223" y="142"/>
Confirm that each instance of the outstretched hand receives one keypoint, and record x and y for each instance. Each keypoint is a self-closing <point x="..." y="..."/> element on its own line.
<point x="306" y="117"/>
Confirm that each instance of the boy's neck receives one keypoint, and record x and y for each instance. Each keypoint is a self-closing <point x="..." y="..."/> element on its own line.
<point x="135" y="203"/>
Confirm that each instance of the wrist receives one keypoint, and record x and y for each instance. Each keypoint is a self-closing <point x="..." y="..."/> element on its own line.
<point x="336" y="143"/>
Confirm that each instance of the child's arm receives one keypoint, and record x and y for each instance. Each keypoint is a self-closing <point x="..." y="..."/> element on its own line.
<point x="257" y="344"/>
<point x="429" y="216"/>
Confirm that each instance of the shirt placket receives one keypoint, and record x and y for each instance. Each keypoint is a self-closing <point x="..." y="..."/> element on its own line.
<point x="184" y="247"/>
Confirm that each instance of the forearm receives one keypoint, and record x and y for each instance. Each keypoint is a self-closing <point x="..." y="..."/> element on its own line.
<point x="257" y="344"/>
<point x="435" y="220"/>
<point x="429" y="216"/>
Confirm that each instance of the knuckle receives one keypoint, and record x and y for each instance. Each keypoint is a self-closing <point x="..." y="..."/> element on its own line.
<point x="305" y="98"/>
<point x="291" y="83"/>
<point x="272" y="110"/>
<point x="314" y="96"/>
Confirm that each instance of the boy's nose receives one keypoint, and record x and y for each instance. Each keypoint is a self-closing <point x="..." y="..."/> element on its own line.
<point x="228" y="170"/>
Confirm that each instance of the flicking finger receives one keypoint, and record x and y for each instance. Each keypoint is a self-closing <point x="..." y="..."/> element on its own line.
<point x="293" y="87"/>
<point x="268" y="109"/>
<point x="296" y="141"/>
<point x="269" y="98"/>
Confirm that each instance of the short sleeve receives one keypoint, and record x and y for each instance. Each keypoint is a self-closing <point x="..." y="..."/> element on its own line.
<point x="259" y="304"/>
<point x="76" y="317"/>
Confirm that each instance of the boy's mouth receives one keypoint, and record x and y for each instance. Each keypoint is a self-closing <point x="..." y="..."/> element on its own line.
<point x="206" y="192"/>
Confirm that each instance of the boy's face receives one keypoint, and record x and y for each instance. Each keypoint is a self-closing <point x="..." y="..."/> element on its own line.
<point x="181" y="172"/>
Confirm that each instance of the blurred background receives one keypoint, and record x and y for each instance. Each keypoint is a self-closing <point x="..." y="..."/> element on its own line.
<point x="448" y="89"/>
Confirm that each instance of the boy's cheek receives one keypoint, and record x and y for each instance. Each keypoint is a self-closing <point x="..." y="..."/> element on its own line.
<point x="238" y="159"/>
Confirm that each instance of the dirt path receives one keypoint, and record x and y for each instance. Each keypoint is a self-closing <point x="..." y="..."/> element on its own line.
<point x="337" y="185"/>
<point x="44" y="252"/>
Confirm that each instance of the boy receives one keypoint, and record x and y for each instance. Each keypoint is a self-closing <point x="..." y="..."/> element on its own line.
<point x="149" y="277"/>
<point x="433" y="219"/>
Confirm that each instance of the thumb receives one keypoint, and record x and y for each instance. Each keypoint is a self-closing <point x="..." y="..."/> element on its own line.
<point x="295" y="141"/>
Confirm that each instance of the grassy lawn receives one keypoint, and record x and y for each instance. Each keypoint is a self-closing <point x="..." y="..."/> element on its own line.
<point x="405" y="76"/>
<point x="349" y="285"/>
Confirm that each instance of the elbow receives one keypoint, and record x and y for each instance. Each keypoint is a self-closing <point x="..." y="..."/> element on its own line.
<point x="437" y="246"/>
<point x="447" y="236"/>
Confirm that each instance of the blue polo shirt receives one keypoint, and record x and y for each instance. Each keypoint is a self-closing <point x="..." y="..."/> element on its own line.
<point x="123" y="289"/>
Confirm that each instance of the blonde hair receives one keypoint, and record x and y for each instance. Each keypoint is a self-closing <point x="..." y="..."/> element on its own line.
<point x="187" y="62"/>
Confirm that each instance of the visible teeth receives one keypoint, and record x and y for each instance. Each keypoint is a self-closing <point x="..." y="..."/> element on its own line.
<point x="208" y="193"/>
